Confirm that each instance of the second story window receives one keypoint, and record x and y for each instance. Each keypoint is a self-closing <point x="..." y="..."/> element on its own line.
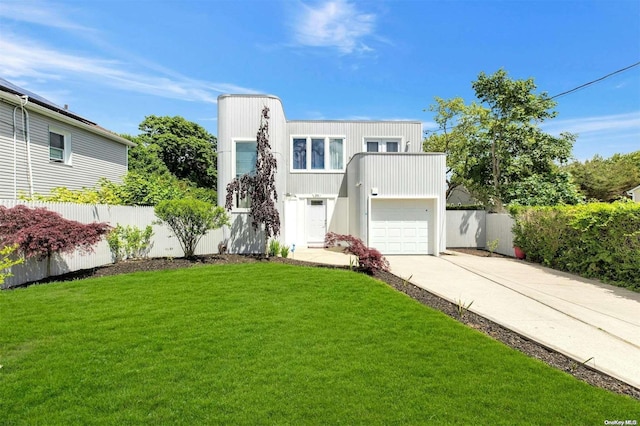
<point x="59" y="146"/>
<point x="317" y="154"/>
<point x="382" y="145"/>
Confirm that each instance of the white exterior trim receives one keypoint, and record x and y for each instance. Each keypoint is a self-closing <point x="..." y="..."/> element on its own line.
<point x="67" y="152"/>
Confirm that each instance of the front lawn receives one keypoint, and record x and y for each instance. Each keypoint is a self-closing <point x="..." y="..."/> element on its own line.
<point x="262" y="344"/>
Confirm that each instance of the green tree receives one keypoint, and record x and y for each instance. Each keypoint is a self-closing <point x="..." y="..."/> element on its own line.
<point x="190" y="219"/>
<point x="507" y="158"/>
<point x="185" y="148"/>
<point x="607" y="179"/>
<point x="457" y="128"/>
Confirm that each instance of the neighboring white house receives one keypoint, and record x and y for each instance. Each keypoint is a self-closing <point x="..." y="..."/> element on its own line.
<point x="364" y="178"/>
<point x="634" y="193"/>
<point x="45" y="146"/>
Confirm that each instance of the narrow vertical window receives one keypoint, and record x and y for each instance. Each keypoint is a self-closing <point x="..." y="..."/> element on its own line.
<point x="317" y="153"/>
<point x="372" y="146"/>
<point x="299" y="154"/>
<point x="56" y="147"/>
<point x="246" y="156"/>
<point x="336" y="154"/>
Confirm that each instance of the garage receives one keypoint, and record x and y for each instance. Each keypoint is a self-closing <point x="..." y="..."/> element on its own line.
<point x="400" y="226"/>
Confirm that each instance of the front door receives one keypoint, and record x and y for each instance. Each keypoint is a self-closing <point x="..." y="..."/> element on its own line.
<point x="316" y="222"/>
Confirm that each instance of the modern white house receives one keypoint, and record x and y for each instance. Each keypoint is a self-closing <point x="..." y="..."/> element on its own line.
<point x="363" y="178"/>
<point x="45" y="146"/>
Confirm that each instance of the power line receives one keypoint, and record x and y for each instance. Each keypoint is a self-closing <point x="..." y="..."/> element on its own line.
<point x="595" y="81"/>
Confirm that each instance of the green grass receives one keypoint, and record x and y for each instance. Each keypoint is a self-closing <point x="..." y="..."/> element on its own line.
<point x="265" y="344"/>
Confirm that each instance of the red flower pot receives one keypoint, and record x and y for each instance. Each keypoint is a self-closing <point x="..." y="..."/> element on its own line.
<point x="519" y="253"/>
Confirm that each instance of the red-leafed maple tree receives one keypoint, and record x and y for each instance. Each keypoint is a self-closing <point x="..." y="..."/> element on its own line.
<point x="40" y="233"/>
<point x="369" y="259"/>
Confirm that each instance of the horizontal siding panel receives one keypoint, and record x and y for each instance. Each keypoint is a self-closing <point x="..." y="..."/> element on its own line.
<point x="93" y="157"/>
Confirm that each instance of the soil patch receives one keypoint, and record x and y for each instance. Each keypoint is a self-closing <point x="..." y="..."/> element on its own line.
<point x="478" y="252"/>
<point x="459" y="313"/>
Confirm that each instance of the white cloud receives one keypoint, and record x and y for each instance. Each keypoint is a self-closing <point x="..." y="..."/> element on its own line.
<point x="22" y="58"/>
<point x="604" y="123"/>
<point x="335" y="24"/>
<point x="40" y="13"/>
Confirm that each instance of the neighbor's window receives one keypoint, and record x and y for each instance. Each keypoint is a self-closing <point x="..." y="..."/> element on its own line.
<point x="392" y="146"/>
<point x="59" y="145"/>
<point x="246" y="156"/>
<point x="372" y="146"/>
<point x="317" y="154"/>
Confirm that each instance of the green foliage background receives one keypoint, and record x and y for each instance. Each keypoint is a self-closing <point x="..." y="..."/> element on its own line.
<point x="597" y="240"/>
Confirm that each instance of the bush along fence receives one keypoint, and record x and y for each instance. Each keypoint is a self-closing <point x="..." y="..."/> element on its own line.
<point x="596" y="240"/>
<point x="161" y="242"/>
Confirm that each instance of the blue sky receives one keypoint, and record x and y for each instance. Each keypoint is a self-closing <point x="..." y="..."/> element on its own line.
<point x="114" y="62"/>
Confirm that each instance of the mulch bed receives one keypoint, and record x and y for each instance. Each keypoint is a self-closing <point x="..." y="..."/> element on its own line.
<point x="496" y="331"/>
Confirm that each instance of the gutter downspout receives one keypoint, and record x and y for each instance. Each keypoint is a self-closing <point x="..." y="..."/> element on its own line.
<point x="26" y="137"/>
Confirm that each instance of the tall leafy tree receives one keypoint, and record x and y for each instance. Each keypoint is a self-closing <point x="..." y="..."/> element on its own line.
<point x="607" y="179"/>
<point x="457" y="128"/>
<point x="259" y="187"/>
<point x="501" y="154"/>
<point x="185" y="149"/>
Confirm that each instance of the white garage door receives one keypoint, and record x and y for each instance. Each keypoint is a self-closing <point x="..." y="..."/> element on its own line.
<point x="400" y="226"/>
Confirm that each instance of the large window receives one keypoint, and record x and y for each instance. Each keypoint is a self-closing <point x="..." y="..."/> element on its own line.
<point x="59" y="146"/>
<point x="382" y="145"/>
<point x="317" y="154"/>
<point x="246" y="154"/>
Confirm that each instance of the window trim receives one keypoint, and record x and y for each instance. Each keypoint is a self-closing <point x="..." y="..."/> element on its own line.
<point x="327" y="153"/>
<point x="382" y="143"/>
<point x="66" y="151"/>
<point x="234" y="142"/>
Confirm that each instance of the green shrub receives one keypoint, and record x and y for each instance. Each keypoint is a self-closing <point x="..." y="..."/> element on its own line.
<point x="6" y="262"/>
<point x="190" y="219"/>
<point x="129" y="242"/>
<point x="465" y="207"/>
<point x="597" y="240"/>
<point x="284" y="251"/>
<point x="274" y="248"/>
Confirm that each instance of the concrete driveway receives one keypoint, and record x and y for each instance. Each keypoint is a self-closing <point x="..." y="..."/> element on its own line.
<point x="583" y="319"/>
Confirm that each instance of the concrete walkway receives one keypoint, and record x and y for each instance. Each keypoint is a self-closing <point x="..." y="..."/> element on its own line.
<point x="583" y="319"/>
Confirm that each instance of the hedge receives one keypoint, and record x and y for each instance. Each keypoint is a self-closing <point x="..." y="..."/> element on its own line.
<point x="597" y="240"/>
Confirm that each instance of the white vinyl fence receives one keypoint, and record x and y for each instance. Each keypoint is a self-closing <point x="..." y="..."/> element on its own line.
<point x="477" y="228"/>
<point x="164" y="244"/>
<point x="465" y="228"/>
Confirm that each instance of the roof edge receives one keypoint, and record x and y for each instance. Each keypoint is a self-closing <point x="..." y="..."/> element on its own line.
<point x="69" y="119"/>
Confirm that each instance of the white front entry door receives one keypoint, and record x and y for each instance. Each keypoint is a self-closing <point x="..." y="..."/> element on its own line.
<point x="316" y="222"/>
